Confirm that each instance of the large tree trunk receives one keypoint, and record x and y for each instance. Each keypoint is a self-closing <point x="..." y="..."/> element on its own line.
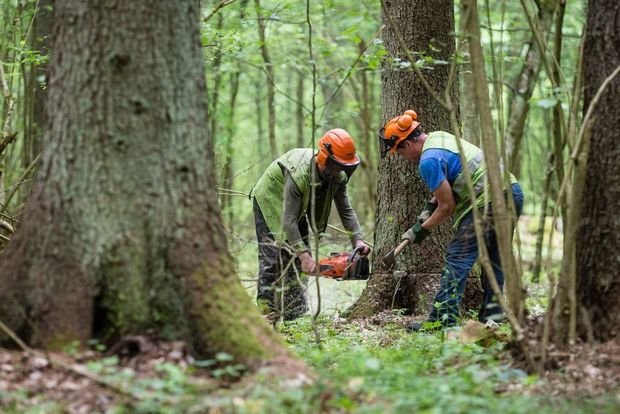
<point x="598" y="244"/>
<point x="122" y="232"/>
<point x="400" y="190"/>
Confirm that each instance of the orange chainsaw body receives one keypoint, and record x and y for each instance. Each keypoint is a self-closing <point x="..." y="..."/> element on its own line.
<point x="345" y="266"/>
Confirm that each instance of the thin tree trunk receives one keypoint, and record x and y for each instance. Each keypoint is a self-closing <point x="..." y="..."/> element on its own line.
<point x="565" y="306"/>
<point x="271" y="107"/>
<point x="260" y="129"/>
<point x="35" y="94"/>
<point x="228" y="179"/>
<point x="366" y="137"/>
<point x="215" y="92"/>
<point x="540" y="236"/>
<point x="8" y="80"/>
<point x="469" y="117"/>
<point x="559" y="136"/>
<point x="521" y="92"/>
<point x="122" y="232"/>
<point x="299" y="109"/>
<point x="501" y="216"/>
<point x="368" y="163"/>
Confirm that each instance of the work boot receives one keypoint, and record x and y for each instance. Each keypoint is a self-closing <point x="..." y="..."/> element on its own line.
<point x="414" y="327"/>
<point x="423" y="326"/>
<point x="491" y="312"/>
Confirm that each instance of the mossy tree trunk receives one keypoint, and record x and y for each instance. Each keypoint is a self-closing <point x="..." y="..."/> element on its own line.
<point x="122" y="232"/>
<point x="598" y="241"/>
<point x="401" y="193"/>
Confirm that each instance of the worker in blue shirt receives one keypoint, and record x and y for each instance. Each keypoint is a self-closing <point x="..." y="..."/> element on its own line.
<point x="437" y="154"/>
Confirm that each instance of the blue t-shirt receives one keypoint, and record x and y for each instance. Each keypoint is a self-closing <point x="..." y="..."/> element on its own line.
<point x="437" y="165"/>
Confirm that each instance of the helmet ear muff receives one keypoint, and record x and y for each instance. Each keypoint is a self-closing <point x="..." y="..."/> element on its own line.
<point x="328" y="148"/>
<point x="397" y="129"/>
<point x="404" y="122"/>
<point x="324" y="153"/>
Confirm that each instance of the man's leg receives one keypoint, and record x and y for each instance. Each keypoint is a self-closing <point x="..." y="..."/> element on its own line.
<point x="267" y="264"/>
<point x="460" y="258"/>
<point x="490" y="308"/>
<point x="295" y="300"/>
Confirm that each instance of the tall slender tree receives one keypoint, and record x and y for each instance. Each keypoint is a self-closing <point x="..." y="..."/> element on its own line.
<point x="469" y="116"/>
<point x="122" y="232"/>
<point x="270" y="78"/>
<point x="35" y="84"/>
<point x="523" y="87"/>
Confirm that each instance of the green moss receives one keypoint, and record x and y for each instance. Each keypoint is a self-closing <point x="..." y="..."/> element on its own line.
<point x="228" y="320"/>
<point x="124" y="289"/>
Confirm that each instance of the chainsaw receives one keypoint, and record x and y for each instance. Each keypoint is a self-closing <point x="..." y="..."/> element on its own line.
<point x="345" y="266"/>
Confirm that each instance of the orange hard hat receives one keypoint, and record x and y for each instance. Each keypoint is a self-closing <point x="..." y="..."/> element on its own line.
<point x="338" y="146"/>
<point x="397" y="129"/>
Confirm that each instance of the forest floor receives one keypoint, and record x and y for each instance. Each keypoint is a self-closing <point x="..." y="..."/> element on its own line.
<point x="368" y="366"/>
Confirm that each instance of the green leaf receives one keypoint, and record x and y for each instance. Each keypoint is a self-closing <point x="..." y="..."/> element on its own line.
<point x="223" y="357"/>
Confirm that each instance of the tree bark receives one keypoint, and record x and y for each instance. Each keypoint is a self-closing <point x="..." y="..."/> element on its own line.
<point x="271" y="93"/>
<point x="469" y="116"/>
<point x="228" y="175"/>
<point x="598" y="243"/>
<point x="400" y="190"/>
<point x="122" y="232"/>
<point x="215" y="93"/>
<point x="369" y="150"/>
<point x="299" y="109"/>
<point x="261" y="149"/>
<point x="41" y="43"/>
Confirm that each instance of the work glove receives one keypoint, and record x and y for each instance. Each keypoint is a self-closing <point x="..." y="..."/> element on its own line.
<point x="427" y="211"/>
<point x="364" y="248"/>
<point x="308" y="265"/>
<point x="416" y="234"/>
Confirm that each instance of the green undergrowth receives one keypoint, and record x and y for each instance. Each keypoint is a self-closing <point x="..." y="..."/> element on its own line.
<point x="360" y="368"/>
<point x="372" y="369"/>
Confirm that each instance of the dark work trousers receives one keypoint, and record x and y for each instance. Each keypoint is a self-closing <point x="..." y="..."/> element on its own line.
<point x="460" y="258"/>
<point x="281" y="289"/>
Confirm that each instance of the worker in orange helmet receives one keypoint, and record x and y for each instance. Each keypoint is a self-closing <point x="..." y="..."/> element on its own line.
<point x="438" y="158"/>
<point x="283" y="207"/>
